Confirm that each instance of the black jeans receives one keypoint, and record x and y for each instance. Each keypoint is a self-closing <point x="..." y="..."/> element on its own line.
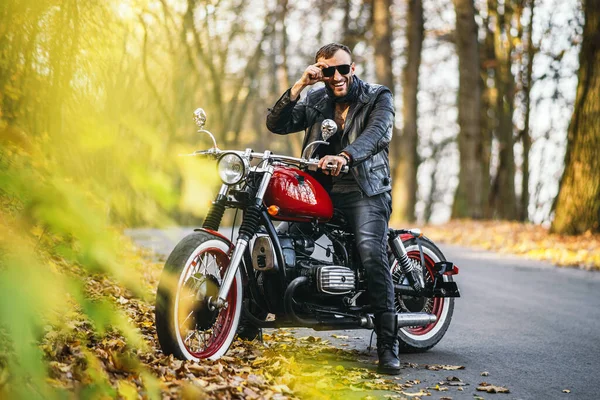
<point x="368" y="218"/>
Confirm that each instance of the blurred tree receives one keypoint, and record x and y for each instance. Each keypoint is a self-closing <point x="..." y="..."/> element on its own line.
<point x="577" y="206"/>
<point x="407" y="156"/>
<point x="502" y="198"/>
<point x="280" y="63"/>
<point x="404" y="158"/>
<point x="229" y="68"/>
<point x="354" y="29"/>
<point x="471" y="193"/>
<point x="526" y="82"/>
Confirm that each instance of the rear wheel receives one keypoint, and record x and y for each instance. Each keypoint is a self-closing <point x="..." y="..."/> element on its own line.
<point x="422" y="338"/>
<point x="185" y="324"/>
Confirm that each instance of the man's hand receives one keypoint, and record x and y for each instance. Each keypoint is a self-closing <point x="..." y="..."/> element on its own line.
<point x="337" y="161"/>
<point x="312" y="74"/>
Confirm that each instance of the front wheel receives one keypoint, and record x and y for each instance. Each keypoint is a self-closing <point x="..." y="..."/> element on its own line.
<point x="185" y="324"/>
<point x="422" y="338"/>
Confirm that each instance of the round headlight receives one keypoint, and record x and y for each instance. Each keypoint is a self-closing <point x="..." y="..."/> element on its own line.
<point x="232" y="168"/>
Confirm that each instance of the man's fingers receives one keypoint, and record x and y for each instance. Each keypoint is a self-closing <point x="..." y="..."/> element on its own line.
<point x="324" y="161"/>
<point x="315" y="73"/>
<point x="338" y="170"/>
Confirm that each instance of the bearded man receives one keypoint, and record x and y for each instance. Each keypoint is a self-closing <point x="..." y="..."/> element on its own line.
<point x="364" y="114"/>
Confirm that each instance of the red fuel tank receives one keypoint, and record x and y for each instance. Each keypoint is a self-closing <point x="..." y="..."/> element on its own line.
<point x="298" y="195"/>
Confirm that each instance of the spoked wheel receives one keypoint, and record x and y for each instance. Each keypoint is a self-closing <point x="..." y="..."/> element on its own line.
<point x="422" y="338"/>
<point x="186" y="325"/>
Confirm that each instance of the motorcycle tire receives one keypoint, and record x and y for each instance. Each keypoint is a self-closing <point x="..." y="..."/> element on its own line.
<point x="422" y="338"/>
<point x="186" y="327"/>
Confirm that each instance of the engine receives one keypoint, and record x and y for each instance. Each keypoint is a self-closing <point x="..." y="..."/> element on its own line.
<point x="334" y="279"/>
<point x="328" y="279"/>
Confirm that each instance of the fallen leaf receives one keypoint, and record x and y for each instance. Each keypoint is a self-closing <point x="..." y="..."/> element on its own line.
<point x="340" y="336"/>
<point x="566" y="391"/>
<point x="281" y="389"/>
<point x="455" y="381"/>
<point x="486" y="387"/>
<point x="418" y="394"/>
<point x="438" y="388"/>
<point x="436" y="367"/>
<point x="485" y="373"/>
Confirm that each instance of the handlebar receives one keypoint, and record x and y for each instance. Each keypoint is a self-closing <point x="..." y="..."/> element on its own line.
<point x="311" y="164"/>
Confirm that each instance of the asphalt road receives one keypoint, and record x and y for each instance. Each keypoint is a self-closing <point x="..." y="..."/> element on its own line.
<point x="534" y="328"/>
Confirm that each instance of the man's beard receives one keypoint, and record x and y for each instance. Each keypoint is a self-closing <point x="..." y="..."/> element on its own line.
<point x="351" y="92"/>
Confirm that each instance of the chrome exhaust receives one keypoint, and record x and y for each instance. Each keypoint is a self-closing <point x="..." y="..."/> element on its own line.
<point x="404" y="319"/>
<point x="415" y="319"/>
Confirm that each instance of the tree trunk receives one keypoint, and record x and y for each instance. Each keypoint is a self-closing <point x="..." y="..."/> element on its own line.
<point x="403" y="148"/>
<point x="294" y="140"/>
<point x="577" y="206"/>
<point x="382" y="42"/>
<point x="487" y="112"/>
<point x="405" y="190"/>
<point x="502" y="196"/>
<point x="526" y="84"/>
<point x="469" y="197"/>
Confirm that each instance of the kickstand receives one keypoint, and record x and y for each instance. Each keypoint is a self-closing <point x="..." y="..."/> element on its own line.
<point x="371" y="341"/>
<point x="260" y="336"/>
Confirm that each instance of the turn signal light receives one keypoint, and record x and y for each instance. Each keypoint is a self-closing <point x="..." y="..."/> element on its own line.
<point x="273" y="210"/>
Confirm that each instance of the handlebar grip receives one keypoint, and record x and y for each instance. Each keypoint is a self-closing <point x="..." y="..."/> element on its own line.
<point x="206" y="153"/>
<point x="344" y="169"/>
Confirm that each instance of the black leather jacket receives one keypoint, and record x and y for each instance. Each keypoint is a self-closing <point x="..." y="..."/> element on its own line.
<point x="367" y="133"/>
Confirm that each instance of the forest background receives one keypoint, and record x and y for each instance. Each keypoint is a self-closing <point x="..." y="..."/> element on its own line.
<point x="498" y="118"/>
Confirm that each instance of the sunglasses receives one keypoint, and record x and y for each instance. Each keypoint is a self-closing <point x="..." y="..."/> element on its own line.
<point x="330" y="71"/>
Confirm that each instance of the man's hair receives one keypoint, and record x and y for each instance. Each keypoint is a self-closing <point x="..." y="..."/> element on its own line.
<point x="330" y="49"/>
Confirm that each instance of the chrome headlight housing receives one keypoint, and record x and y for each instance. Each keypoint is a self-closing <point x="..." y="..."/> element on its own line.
<point x="232" y="168"/>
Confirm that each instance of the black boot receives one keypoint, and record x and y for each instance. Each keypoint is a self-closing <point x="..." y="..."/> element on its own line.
<point x="387" y="344"/>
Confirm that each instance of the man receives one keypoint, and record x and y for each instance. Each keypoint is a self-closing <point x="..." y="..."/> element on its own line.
<point x="364" y="114"/>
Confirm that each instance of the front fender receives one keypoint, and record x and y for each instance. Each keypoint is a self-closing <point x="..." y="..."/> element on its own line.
<point x="217" y="234"/>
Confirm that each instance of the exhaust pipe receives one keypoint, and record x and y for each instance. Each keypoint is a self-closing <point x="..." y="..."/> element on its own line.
<point x="403" y="319"/>
<point x="288" y="302"/>
<point x="415" y="319"/>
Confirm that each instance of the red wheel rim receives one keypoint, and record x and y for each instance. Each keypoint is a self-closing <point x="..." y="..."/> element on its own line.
<point x="224" y="321"/>
<point x="436" y="304"/>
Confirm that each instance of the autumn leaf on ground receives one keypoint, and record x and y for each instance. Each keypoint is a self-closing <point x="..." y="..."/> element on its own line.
<point x="344" y="337"/>
<point x="438" y="388"/>
<point x="454" y="381"/>
<point x="437" y="367"/>
<point x="486" y="387"/>
<point x="528" y="240"/>
<point x="417" y="394"/>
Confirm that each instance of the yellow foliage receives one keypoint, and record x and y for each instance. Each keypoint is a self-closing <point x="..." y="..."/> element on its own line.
<point x="84" y="148"/>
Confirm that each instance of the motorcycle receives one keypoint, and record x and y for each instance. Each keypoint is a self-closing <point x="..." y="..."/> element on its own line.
<point x="212" y="288"/>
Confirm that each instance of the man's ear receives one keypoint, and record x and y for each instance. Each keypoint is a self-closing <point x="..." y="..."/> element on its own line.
<point x="352" y="67"/>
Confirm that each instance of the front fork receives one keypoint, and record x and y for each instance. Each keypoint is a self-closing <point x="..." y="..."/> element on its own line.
<point x="246" y="232"/>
